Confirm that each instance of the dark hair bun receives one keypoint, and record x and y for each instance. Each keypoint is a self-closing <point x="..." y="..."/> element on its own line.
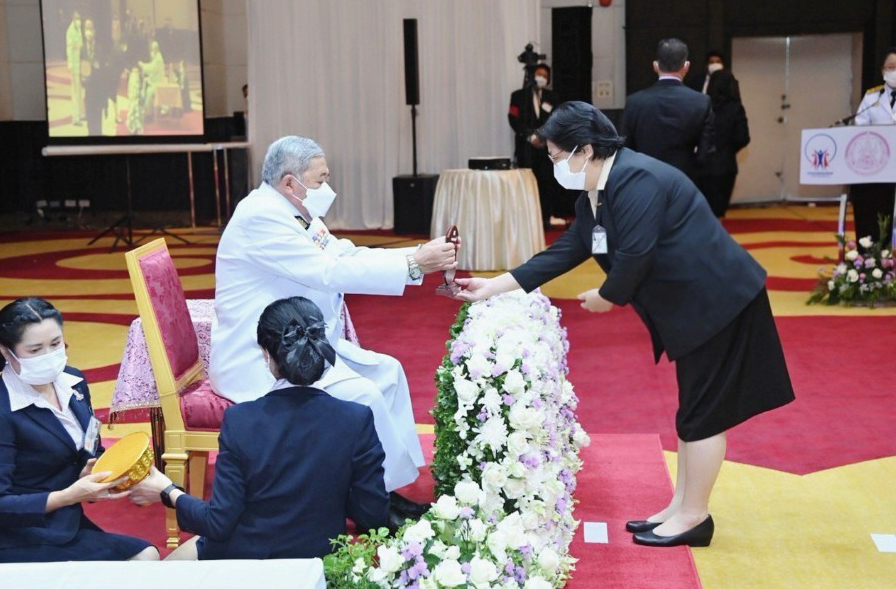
<point x="294" y="334"/>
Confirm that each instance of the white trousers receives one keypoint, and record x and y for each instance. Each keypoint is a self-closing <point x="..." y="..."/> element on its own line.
<point x="378" y="381"/>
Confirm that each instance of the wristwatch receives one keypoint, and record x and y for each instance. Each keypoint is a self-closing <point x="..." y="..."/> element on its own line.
<point x="414" y="271"/>
<point x="166" y="495"/>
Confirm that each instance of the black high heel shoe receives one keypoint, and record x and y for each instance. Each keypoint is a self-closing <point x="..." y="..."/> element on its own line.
<point x="701" y="535"/>
<point x="640" y="525"/>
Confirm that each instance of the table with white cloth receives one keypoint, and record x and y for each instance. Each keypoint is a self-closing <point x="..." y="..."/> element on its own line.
<point x="198" y="574"/>
<point x="497" y="213"/>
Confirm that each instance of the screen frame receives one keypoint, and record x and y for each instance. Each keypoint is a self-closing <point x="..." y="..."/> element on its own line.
<point x="125" y="139"/>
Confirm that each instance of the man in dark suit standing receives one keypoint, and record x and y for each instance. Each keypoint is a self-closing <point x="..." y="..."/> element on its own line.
<point x="669" y="121"/>
<point x="529" y="109"/>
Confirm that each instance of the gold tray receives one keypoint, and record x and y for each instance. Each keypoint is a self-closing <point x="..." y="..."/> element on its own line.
<point x="130" y="456"/>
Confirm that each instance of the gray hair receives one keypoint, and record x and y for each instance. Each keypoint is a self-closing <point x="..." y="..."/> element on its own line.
<point x="289" y="155"/>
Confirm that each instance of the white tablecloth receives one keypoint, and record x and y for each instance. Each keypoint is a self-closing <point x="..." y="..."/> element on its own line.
<point x="496" y="212"/>
<point x="206" y="574"/>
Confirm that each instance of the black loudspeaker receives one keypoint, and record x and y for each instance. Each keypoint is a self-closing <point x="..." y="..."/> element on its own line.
<point x="571" y="53"/>
<point x="412" y="202"/>
<point x="411" y="77"/>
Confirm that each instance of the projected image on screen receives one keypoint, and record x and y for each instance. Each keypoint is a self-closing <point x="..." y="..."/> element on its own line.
<point x="119" y="68"/>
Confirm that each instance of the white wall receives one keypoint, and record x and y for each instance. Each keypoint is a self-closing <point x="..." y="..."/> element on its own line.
<point x="607" y="47"/>
<point x="224" y="45"/>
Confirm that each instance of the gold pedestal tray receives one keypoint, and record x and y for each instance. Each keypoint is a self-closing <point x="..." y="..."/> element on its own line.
<point x="130" y="456"/>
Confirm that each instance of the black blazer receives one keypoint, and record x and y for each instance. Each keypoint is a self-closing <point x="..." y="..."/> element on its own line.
<point x="525" y="122"/>
<point x="37" y="456"/>
<point x="291" y="467"/>
<point x="668" y="121"/>
<point x="667" y="255"/>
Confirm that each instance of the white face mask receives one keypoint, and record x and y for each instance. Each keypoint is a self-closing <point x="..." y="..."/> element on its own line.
<point x="714" y="67"/>
<point x="890" y="78"/>
<point x="567" y="178"/>
<point x="318" y="200"/>
<point x="541" y="81"/>
<point x="42" y="369"/>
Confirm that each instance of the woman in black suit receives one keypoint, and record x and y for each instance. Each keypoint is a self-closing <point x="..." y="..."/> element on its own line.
<point x="49" y="440"/>
<point x="292" y="465"/>
<point x="700" y="295"/>
<point x="716" y="177"/>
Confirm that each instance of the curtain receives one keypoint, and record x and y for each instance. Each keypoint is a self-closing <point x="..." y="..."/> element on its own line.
<point x="333" y="70"/>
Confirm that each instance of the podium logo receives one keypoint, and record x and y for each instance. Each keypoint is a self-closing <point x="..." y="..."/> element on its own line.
<point x="820" y="150"/>
<point x="867" y="154"/>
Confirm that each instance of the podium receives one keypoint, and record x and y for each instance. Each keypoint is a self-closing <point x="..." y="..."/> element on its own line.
<point x="862" y="154"/>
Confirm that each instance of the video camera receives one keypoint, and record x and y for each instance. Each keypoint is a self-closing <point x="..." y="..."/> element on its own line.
<point x="530" y="61"/>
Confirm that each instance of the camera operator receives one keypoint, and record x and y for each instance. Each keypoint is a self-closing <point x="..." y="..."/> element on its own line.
<point x="530" y="108"/>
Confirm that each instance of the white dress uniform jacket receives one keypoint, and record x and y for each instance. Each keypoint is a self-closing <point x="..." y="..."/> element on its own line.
<point x="875" y="107"/>
<point x="266" y="254"/>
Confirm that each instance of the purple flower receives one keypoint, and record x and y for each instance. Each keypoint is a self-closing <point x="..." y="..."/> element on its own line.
<point x="561" y="504"/>
<point x="526" y="551"/>
<point x="869" y="263"/>
<point x="508" y="400"/>
<point x="466" y="513"/>
<point x="482" y="416"/>
<point x="537" y="404"/>
<point x="466" y="568"/>
<point x="412" y="550"/>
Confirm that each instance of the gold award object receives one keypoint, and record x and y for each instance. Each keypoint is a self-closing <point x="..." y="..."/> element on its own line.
<point x="450" y="288"/>
<point x="130" y="456"/>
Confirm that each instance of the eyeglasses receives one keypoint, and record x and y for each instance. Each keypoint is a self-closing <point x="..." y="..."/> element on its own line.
<point x="558" y="157"/>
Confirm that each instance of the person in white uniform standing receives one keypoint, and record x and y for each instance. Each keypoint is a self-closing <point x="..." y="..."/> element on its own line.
<point x="878" y="107"/>
<point x="276" y="246"/>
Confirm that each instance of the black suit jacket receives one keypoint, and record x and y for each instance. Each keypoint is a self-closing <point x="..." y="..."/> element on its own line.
<point x="732" y="133"/>
<point x="525" y="122"/>
<point x="291" y="467"/>
<point x="668" y="121"/>
<point x="37" y="456"/>
<point x="667" y="255"/>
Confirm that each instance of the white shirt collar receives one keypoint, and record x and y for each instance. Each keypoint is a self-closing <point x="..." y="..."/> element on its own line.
<point x="281" y="383"/>
<point x="22" y="394"/>
<point x="670" y="77"/>
<point x="601" y="181"/>
<point x="282" y="202"/>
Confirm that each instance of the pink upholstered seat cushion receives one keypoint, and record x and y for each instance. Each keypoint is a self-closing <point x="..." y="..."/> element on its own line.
<point x="202" y="408"/>
<point x="166" y="295"/>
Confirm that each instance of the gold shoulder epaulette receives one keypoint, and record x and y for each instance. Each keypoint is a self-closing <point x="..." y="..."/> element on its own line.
<point x="875" y="90"/>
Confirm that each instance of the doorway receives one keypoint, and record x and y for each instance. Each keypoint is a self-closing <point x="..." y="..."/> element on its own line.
<point x="789" y="84"/>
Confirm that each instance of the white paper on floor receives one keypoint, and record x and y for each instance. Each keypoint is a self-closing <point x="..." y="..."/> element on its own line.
<point x="596" y="533"/>
<point x="884" y="542"/>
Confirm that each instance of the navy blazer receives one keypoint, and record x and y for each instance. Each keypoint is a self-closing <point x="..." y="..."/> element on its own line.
<point x="37" y="456"/>
<point x="669" y="121"/>
<point x="667" y="255"/>
<point x="291" y="467"/>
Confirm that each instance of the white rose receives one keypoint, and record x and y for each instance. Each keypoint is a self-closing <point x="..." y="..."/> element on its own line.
<point x="446" y="508"/>
<point x="512" y="527"/>
<point x="482" y="571"/>
<point x="581" y="438"/>
<point x="514" y="383"/>
<point x="524" y="418"/>
<point x="505" y="360"/>
<point x="491" y="401"/>
<point x="478" y="530"/>
<point x="468" y="492"/>
<point x="390" y="559"/>
<point x="852" y="276"/>
<point x="478" y="364"/>
<point x="515" y="488"/>
<point x="448" y="574"/>
<point x="831" y="285"/>
<point x="427" y="583"/>
<point x="865" y="242"/>
<point x="884" y="253"/>
<point x="377" y="576"/>
<point x="452" y="553"/>
<point x="517" y="470"/>
<point x="494" y="477"/>
<point x="851" y="255"/>
<point x="877" y="273"/>
<point x="420" y="532"/>
<point x="518" y="443"/>
<point x="497" y="544"/>
<point x="493" y="504"/>
<point x="548" y="560"/>
<point x="537" y="583"/>
<point x="530" y="520"/>
<point x="466" y="391"/>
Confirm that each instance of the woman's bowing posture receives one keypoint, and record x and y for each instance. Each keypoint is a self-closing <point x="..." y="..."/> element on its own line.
<point x="701" y="296"/>
<point x="49" y="440"/>
<point x="292" y="465"/>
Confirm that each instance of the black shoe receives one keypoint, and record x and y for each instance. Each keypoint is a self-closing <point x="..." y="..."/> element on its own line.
<point x="396" y="520"/>
<point x="640" y="525"/>
<point x="406" y="506"/>
<point x="700" y="535"/>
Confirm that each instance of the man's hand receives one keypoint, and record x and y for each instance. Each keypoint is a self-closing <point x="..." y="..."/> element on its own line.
<point x="594" y="302"/>
<point x="435" y="256"/>
<point x="475" y="289"/>
<point x="147" y="491"/>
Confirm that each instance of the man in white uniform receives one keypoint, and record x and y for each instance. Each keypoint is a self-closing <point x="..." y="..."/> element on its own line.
<point x="277" y="246"/>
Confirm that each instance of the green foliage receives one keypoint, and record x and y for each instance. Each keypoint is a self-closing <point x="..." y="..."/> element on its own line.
<point x="347" y="551"/>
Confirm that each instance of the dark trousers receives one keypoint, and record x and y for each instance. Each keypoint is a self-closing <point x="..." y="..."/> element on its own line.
<point x="717" y="189"/>
<point x="869" y="201"/>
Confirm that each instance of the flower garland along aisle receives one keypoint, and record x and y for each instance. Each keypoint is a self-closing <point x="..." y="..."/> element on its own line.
<point x="507" y="443"/>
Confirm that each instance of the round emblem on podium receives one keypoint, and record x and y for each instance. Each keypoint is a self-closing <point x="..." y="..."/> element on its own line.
<point x="867" y="153"/>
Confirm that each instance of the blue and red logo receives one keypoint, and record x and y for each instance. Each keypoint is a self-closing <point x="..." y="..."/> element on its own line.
<point x="820" y="151"/>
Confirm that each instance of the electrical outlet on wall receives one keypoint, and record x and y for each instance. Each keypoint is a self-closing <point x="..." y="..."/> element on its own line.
<point x="604" y="90"/>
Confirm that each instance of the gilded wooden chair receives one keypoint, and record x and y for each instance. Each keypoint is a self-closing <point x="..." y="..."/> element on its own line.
<point x="191" y="411"/>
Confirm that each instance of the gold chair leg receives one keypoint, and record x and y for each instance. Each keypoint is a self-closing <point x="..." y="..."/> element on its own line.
<point x="197" y="467"/>
<point x="176" y="470"/>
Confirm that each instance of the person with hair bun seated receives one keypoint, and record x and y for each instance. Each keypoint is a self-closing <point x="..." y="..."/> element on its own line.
<point x="49" y="441"/>
<point x="292" y="465"/>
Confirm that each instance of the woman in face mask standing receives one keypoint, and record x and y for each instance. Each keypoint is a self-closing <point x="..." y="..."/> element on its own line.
<point x="700" y="295"/>
<point x="49" y="440"/>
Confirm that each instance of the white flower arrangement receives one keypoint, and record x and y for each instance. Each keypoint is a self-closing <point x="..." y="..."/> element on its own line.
<point x="507" y="443"/>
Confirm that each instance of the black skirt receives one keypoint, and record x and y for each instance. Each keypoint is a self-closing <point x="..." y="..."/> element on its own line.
<point x="89" y="543"/>
<point x="737" y="374"/>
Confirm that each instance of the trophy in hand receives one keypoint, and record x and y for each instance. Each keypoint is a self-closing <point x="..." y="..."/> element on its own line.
<point x="450" y="288"/>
